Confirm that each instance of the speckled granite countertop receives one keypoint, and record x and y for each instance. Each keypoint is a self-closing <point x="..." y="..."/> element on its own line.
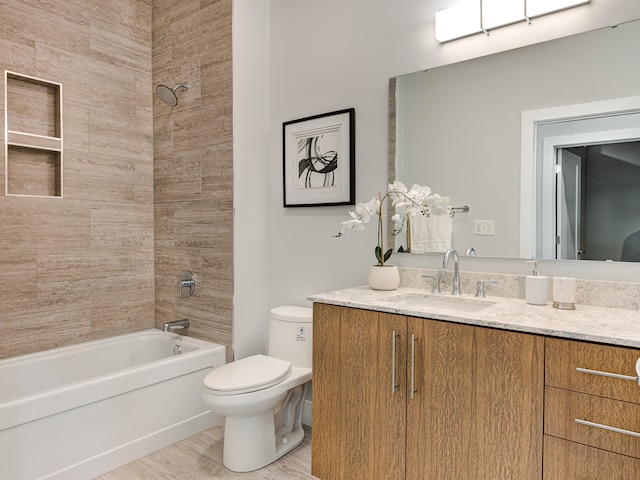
<point x="616" y="326"/>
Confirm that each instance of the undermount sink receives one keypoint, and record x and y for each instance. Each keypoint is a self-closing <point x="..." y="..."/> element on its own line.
<point x="446" y="302"/>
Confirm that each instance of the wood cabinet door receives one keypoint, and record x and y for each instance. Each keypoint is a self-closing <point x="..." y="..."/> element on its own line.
<point x="509" y="380"/>
<point x="476" y="412"/>
<point x="392" y="393"/>
<point x="439" y="401"/>
<point x="326" y="445"/>
<point x="358" y="392"/>
<point x="358" y="428"/>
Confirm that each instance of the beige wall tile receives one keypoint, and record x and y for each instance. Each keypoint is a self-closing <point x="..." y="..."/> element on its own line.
<point x="147" y="188"/>
<point x="35" y="328"/>
<point x="85" y="261"/>
<point x="193" y="167"/>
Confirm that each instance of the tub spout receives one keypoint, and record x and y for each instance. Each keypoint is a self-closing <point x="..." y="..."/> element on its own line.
<point x="176" y="325"/>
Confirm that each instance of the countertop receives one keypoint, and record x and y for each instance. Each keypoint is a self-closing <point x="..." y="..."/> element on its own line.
<point x="615" y="326"/>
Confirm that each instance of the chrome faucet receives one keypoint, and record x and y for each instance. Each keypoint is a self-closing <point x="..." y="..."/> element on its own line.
<point x="456" y="268"/>
<point x="176" y="325"/>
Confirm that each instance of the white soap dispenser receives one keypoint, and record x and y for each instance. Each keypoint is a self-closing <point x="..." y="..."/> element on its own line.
<point x="536" y="286"/>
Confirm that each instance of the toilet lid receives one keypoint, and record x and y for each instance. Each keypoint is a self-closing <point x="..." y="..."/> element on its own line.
<point x="247" y="375"/>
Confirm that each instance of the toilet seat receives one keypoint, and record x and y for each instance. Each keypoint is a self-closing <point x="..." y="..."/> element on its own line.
<point x="247" y="375"/>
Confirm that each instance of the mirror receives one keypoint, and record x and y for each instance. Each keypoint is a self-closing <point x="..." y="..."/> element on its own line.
<point x="457" y="128"/>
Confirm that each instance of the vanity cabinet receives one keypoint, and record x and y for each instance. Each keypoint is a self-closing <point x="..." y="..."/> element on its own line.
<point x="592" y="411"/>
<point x="397" y="397"/>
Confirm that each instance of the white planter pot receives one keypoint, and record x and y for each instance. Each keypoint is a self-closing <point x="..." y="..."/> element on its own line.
<point x="384" y="278"/>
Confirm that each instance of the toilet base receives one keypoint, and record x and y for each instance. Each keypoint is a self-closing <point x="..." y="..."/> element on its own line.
<point x="251" y="443"/>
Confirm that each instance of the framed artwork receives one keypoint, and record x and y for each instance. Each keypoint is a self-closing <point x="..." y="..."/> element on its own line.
<point x="319" y="163"/>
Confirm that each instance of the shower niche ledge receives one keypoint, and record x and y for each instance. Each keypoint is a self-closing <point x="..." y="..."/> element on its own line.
<point x="33" y="136"/>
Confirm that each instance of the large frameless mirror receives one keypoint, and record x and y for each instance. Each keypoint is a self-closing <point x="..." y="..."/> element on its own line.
<point x="459" y="129"/>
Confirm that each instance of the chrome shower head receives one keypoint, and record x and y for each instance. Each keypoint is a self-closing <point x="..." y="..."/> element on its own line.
<point x="168" y="94"/>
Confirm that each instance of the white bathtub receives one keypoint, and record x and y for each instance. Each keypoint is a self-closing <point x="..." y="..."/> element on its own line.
<point x="80" y="411"/>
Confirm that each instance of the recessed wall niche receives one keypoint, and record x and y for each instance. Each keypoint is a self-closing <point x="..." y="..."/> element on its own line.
<point x="33" y="136"/>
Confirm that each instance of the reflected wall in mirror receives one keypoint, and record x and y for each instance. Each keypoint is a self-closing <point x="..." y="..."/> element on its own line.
<point x="458" y="127"/>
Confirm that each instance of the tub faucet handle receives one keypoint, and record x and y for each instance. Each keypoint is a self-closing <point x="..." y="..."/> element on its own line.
<point x="187" y="283"/>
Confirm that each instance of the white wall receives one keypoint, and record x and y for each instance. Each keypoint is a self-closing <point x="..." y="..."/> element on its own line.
<point x="335" y="54"/>
<point x="251" y="131"/>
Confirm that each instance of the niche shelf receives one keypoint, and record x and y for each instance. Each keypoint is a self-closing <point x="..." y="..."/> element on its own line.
<point x="33" y="136"/>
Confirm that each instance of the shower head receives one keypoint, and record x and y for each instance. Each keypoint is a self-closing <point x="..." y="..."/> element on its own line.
<point x="168" y="94"/>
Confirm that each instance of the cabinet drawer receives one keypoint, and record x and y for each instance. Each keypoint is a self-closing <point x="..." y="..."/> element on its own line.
<point x="614" y="425"/>
<point x="564" y="357"/>
<point x="565" y="460"/>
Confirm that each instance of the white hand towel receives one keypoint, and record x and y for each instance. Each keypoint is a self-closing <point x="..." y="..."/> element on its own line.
<point x="431" y="234"/>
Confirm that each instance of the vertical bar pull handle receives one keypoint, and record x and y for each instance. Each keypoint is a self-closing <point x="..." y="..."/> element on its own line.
<point x="414" y="339"/>
<point x="394" y="385"/>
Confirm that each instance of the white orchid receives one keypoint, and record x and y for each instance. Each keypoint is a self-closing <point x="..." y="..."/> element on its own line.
<point x="398" y="222"/>
<point x="365" y="210"/>
<point x="406" y="202"/>
<point x="362" y="215"/>
<point x="438" y="205"/>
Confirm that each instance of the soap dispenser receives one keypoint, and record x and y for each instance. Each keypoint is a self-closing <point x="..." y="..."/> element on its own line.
<point x="536" y="286"/>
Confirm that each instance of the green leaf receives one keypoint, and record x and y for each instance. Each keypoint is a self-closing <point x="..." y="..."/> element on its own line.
<point x="388" y="254"/>
<point x="378" y="253"/>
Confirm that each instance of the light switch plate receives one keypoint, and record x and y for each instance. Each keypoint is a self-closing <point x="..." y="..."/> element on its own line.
<point x="484" y="227"/>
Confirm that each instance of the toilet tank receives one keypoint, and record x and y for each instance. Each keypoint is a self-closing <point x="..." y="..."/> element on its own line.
<point x="291" y="334"/>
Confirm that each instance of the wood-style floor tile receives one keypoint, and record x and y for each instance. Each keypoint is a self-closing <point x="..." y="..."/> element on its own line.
<point x="200" y="457"/>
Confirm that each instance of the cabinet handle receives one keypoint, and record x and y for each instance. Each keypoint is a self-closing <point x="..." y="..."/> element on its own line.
<point x="394" y="385"/>
<point x="607" y="374"/>
<point x="607" y="427"/>
<point x="414" y="339"/>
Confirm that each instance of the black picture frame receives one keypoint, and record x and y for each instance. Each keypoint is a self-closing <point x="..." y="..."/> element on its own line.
<point x="319" y="161"/>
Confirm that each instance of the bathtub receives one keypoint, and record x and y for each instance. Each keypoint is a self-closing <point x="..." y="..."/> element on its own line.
<point x="77" y="412"/>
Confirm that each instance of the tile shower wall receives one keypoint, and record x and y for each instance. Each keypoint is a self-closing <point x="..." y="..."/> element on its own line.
<point x="193" y="165"/>
<point x="81" y="267"/>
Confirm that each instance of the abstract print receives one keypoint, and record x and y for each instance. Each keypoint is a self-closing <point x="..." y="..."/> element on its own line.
<point x="317" y="161"/>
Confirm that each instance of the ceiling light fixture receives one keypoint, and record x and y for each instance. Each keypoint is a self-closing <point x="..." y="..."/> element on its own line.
<point x="497" y="13"/>
<point x="458" y="21"/>
<point x="475" y="16"/>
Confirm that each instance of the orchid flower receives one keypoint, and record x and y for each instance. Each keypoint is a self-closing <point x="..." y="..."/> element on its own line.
<point x="406" y="202"/>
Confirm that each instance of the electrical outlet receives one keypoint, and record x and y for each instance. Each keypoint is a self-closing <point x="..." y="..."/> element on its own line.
<point x="484" y="227"/>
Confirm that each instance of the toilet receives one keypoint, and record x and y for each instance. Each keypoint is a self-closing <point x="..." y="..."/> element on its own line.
<point x="262" y="397"/>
